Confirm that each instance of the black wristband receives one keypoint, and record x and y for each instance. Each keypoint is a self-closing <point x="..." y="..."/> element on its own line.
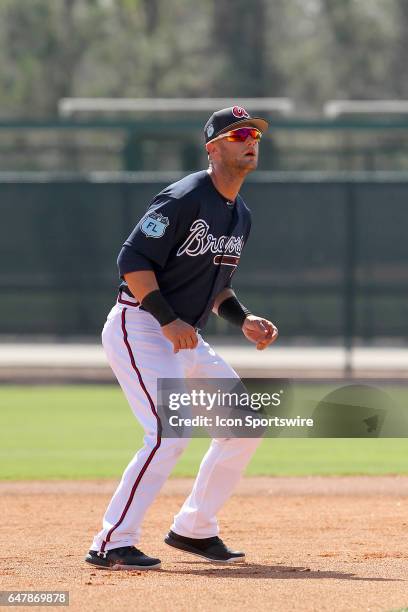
<point x="155" y="303"/>
<point x="233" y="311"/>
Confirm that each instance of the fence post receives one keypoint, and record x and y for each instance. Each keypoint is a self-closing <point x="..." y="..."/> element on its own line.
<point x="132" y="155"/>
<point x="350" y="262"/>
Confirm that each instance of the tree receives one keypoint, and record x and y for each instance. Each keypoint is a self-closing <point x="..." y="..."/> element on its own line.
<point x="239" y="49"/>
<point x="400" y="52"/>
<point x="310" y="50"/>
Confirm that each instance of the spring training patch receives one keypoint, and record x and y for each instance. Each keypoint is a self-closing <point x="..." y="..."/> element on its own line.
<point x="154" y="225"/>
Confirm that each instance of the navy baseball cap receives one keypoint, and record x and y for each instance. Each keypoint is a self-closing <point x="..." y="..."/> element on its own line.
<point x="231" y="118"/>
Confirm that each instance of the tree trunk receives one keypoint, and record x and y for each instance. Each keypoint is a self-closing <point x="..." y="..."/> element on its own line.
<point x="239" y="39"/>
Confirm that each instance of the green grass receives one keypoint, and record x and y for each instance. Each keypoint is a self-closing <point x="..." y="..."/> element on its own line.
<point x="90" y="432"/>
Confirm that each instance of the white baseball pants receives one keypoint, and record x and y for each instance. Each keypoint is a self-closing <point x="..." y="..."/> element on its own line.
<point x="139" y="354"/>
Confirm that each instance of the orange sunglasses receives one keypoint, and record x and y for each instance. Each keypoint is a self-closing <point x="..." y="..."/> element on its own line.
<point x="241" y="134"/>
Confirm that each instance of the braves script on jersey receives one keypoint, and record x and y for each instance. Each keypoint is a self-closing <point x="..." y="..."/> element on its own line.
<point x="192" y="238"/>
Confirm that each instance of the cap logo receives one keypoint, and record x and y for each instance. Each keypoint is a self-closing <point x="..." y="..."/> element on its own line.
<point x="210" y="130"/>
<point x="240" y="112"/>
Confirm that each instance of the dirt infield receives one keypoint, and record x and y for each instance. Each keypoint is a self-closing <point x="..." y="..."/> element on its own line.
<point x="311" y="544"/>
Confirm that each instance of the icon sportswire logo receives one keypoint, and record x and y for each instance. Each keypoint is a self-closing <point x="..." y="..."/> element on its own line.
<point x="227" y="249"/>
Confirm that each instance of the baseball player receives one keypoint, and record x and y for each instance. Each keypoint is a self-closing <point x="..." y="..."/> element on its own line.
<point x="176" y="268"/>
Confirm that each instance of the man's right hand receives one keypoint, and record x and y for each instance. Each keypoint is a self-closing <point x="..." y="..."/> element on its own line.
<point x="181" y="335"/>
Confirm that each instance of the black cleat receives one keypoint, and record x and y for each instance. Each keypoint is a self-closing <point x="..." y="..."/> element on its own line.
<point x="212" y="549"/>
<point x="124" y="558"/>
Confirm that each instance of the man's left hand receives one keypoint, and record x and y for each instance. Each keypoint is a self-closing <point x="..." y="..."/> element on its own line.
<point x="259" y="331"/>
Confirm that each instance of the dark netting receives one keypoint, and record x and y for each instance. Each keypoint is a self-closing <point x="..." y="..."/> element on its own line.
<point x="325" y="257"/>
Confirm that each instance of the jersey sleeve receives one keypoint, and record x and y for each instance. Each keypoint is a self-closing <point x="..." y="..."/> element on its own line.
<point x="158" y="231"/>
<point x="248" y="227"/>
<point x="130" y="260"/>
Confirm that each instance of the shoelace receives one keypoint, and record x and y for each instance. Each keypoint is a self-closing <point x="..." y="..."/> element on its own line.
<point x="215" y="540"/>
<point x="123" y="550"/>
<point x="130" y="549"/>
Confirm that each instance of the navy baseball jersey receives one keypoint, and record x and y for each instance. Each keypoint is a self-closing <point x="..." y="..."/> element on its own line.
<point x="192" y="238"/>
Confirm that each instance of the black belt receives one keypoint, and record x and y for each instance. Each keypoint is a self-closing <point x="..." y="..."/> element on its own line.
<point x="126" y="290"/>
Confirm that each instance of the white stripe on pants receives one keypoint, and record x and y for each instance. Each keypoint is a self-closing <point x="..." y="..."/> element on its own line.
<point x="139" y="354"/>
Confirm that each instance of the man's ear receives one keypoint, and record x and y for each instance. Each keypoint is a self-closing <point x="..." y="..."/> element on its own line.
<point x="211" y="148"/>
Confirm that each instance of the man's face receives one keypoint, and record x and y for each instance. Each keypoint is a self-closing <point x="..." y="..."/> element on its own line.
<point x="240" y="157"/>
